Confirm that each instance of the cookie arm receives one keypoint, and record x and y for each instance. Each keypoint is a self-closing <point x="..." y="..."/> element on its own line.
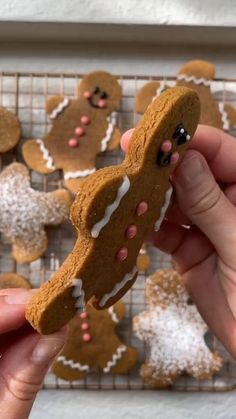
<point x="146" y="94"/>
<point x="37" y="156"/>
<point x="58" y="204"/>
<point x="142" y="325"/>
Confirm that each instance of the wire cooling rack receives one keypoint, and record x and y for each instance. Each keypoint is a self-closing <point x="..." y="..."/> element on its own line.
<point x="26" y="94"/>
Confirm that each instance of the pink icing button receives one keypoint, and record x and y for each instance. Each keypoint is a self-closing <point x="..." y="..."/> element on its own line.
<point x="85" y="120"/>
<point x="142" y="208"/>
<point x="79" y="131"/>
<point x="131" y="231"/>
<point x="86" y="337"/>
<point x="166" y="146"/>
<point x="83" y="315"/>
<point x="84" y="326"/>
<point x="73" y="142"/>
<point x="102" y="103"/>
<point x="122" y="254"/>
<point x="174" y="158"/>
<point x="87" y="94"/>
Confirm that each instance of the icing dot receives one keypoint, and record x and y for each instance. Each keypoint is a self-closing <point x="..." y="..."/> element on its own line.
<point x="166" y="146"/>
<point x="86" y="337"/>
<point x="87" y="94"/>
<point x="79" y="131"/>
<point x="188" y="137"/>
<point x="84" y="326"/>
<point x="83" y="315"/>
<point x="122" y="254"/>
<point x="102" y="103"/>
<point x="73" y="142"/>
<point x="131" y="231"/>
<point x="85" y="120"/>
<point x="174" y="158"/>
<point x="142" y="208"/>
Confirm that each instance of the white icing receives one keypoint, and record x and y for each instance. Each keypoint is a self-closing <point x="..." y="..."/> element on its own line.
<point x="113" y="314"/>
<point x="115" y="357"/>
<point x="224" y="116"/>
<point x="122" y="190"/>
<point x="159" y="90"/>
<point x="112" y="120"/>
<point x="128" y="277"/>
<point x="193" y="79"/>
<point x="74" y="365"/>
<point x="59" y="108"/>
<point x="46" y="155"/>
<point x="79" y="173"/>
<point x="164" y="208"/>
<point x="78" y="293"/>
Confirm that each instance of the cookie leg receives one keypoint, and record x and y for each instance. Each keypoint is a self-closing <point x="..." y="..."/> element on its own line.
<point x="156" y="378"/>
<point x="29" y="248"/>
<point x="37" y="157"/>
<point x="66" y="372"/>
<point x="115" y="139"/>
<point x="204" y="371"/>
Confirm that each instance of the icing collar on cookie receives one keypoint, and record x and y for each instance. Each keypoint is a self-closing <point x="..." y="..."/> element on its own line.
<point x="193" y="79"/>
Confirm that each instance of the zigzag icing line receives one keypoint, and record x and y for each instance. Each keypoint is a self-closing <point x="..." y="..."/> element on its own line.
<point x="59" y="108"/>
<point x="72" y="364"/>
<point x="111" y="126"/>
<point x="79" y="173"/>
<point x="113" y="314"/>
<point x="164" y="208"/>
<point x="46" y="155"/>
<point x="159" y="90"/>
<point x="78" y="293"/>
<point x="118" y="286"/>
<point x="224" y="116"/>
<point x="115" y="357"/>
<point x="193" y="79"/>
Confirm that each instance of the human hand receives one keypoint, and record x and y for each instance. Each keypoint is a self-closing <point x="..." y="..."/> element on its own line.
<point x="204" y="254"/>
<point x="25" y="356"/>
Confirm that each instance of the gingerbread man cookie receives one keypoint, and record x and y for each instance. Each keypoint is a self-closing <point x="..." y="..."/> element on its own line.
<point x="10" y="130"/>
<point x="197" y="75"/>
<point x="24" y="212"/>
<point x="13" y="280"/>
<point x="115" y="209"/>
<point x="174" y="332"/>
<point x="92" y="342"/>
<point x="81" y="128"/>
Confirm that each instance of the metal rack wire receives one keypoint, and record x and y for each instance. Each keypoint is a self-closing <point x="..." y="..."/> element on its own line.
<point x="26" y="94"/>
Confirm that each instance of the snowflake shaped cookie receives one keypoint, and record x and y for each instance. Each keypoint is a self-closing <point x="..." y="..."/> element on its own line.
<point x="174" y="332"/>
<point x="24" y="212"/>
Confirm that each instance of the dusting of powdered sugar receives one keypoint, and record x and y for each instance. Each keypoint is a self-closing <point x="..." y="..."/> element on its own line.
<point x="174" y="331"/>
<point x="24" y="211"/>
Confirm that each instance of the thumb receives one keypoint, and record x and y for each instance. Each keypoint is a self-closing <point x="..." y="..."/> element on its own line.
<point x="201" y="199"/>
<point x="23" y="367"/>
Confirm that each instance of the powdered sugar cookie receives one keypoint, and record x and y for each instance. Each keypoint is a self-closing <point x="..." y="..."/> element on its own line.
<point x="115" y="209"/>
<point x="174" y="332"/>
<point x="24" y="212"/>
<point x="10" y="130"/>
<point x="93" y="343"/>
<point x="81" y="128"/>
<point x="13" y="280"/>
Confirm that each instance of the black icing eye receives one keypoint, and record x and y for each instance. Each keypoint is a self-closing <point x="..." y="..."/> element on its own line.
<point x="104" y="95"/>
<point x="96" y="90"/>
<point x="163" y="159"/>
<point x="181" y="135"/>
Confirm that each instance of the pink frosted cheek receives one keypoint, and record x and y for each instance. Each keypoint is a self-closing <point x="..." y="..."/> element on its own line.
<point x="87" y="94"/>
<point x="102" y="103"/>
<point x="122" y="254"/>
<point x="174" y="158"/>
<point x="141" y="208"/>
<point x="166" y="146"/>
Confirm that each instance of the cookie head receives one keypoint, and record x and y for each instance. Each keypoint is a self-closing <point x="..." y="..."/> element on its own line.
<point x="101" y="90"/>
<point x="10" y="130"/>
<point x="166" y="287"/>
<point x="197" y="69"/>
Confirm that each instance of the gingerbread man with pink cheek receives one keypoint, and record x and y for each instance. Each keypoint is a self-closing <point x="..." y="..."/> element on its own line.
<point x="81" y="128"/>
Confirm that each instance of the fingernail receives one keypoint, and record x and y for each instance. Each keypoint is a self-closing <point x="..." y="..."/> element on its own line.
<point x="47" y="348"/>
<point x="190" y="172"/>
<point x="19" y="297"/>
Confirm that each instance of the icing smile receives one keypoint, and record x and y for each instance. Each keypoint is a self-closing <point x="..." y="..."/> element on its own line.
<point x="100" y="96"/>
